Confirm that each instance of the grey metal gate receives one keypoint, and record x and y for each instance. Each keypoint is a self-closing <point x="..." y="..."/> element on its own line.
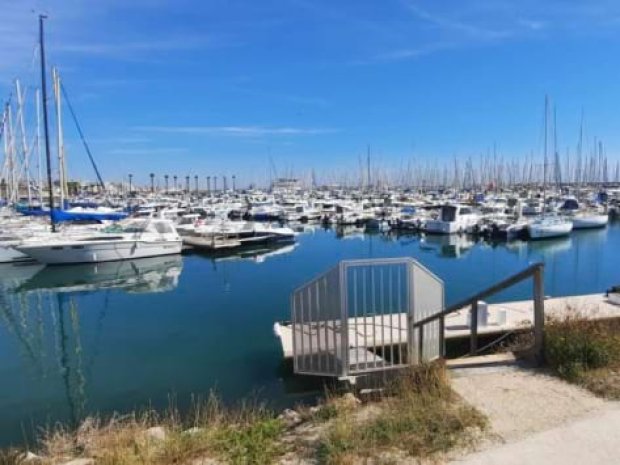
<point x="358" y="318"/>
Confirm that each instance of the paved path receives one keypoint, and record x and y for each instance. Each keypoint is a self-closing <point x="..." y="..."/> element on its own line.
<point x="592" y="440"/>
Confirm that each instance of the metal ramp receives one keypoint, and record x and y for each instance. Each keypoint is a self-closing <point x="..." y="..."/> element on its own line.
<point x="359" y="318"/>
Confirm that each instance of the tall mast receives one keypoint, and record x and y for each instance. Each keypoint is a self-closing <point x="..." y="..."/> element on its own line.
<point x="368" y="165"/>
<point x="22" y="130"/>
<point x="545" y="159"/>
<point x="46" y="124"/>
<point x="37" y="97"/>
<point x="557" y="169"/>
<point x="60" y="138"/>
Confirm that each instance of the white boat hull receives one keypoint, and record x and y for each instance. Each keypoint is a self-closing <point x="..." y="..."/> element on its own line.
<point x="8" y="253"/>
<point x="590" y="221"/>
<point x="99" y="251"/>
<point x="548" y="231"/>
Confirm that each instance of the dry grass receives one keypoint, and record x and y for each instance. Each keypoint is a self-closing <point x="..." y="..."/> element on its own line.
<point x="585" y="352"/>
<point x="242" y="436"/>
<point x="420" y="415"/>
<point x="417" y="415"/>
<point x="11" y="457"/>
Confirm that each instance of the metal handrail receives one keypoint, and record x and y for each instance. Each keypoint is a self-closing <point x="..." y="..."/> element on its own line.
<point x="535" y="271"/>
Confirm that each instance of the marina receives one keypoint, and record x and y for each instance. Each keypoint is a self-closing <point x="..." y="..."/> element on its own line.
<point x="307" y="232"/>
<point x="115" y="336"/>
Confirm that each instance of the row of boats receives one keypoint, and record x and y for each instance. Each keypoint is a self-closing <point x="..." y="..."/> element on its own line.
<point x="25" y="238"/>
<point x="158" y="225"/>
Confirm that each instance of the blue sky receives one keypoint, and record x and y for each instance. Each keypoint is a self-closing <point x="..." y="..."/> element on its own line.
<point x="222" y="86"/>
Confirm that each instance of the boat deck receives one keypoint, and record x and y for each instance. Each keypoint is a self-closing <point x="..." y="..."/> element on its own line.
<point x="388" y="330"/>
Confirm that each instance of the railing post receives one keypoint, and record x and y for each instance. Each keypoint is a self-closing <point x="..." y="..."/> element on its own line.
<point x="344" y="319"/>
<point x="539" y="315"/>
<point x="442" y="337"/>
<point x="473" y="341"/>
<point x="420" y="344"/>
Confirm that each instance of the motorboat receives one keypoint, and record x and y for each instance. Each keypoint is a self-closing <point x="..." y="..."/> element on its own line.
<point x="231" y="234"/>
<point x="453" y="219"/>
<point x="125" y="240"/>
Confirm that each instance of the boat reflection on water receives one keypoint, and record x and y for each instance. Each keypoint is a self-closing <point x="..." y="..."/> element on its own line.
<point x="145" y="275"/>
<point x="40" y="313"/>
<point x="447" y="246"/>
<point x="350" y="232"/>
<point x="13" y="275"/>
<point x="257" y="254"/>
<point x="543" y="249"/>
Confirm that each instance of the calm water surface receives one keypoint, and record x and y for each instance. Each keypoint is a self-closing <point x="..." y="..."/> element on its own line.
<point x="118" y="336"/>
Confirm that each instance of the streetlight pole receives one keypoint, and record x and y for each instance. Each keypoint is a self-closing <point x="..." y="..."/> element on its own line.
<point x="187" y="184"/>
<point x="166" y="181"/>
<point x="130" y="178"/>
<point x="234" y="184"/>
<point x="209" y="185"/>
<point x="214" y="183"/>
<point x="196" y="182"/>
<point x="175" y="182"/>
<point x="152" y="175"/>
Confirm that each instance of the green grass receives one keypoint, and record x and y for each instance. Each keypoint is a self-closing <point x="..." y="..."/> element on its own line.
<point x="585" y="352"/>
<point x="419" y="415"/>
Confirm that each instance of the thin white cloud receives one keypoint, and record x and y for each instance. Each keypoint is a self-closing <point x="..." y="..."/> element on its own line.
<point x="148" y="151"/>
<point x="237" y="131"/>
<point x="138" y="46"/>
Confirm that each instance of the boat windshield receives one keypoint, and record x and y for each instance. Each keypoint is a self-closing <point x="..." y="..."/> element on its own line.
<point x="448" y="213"/>
<point x="131" y="226"/>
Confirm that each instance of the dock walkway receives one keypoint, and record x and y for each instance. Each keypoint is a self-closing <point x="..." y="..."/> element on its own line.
<point x="387" y="330"/>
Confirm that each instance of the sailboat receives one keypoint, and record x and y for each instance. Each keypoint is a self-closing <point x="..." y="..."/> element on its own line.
<point x="547" y="227"/>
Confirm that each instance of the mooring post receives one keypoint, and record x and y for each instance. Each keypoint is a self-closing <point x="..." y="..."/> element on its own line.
<point x="473" y="341"/>
<point x="539" y="314"/>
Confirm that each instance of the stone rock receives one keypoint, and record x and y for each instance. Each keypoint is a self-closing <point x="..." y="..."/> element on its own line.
<point x="290" y="418"/>
<point x="31" y="457"/>
<point x="194" y="430"/>
<point x="156" y="433"/>
<point x="82" y="461"/>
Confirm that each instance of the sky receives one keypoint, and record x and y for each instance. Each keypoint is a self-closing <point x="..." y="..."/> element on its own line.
<point x="264" y="88"/>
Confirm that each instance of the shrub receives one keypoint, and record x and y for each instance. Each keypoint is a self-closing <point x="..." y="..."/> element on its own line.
<point x="575" y="345"/>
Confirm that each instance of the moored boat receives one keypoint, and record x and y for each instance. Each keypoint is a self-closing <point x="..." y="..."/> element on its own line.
<point x="130" y="239"/>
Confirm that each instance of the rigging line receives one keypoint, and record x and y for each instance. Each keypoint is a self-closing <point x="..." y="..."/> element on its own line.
<point x="79" y="128"/>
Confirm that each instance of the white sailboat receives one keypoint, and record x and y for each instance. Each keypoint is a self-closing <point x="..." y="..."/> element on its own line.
<point x="547" y="227"/>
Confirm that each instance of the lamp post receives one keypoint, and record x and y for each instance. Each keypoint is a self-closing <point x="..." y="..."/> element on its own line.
<point x="234" y="184"/>
<point x="209" y="185"/>
<point x="130" y="178"/>
<point x="187" y="184"/>
<point x="152" y="175"/>
<point x="196" y="183"/>
<point x="166" y="181"/>
<point x="174" y="178"/>
<point x="215" y="183"/>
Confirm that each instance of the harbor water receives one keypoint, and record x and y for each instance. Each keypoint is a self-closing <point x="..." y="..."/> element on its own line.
<point x="114" y="337"/>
